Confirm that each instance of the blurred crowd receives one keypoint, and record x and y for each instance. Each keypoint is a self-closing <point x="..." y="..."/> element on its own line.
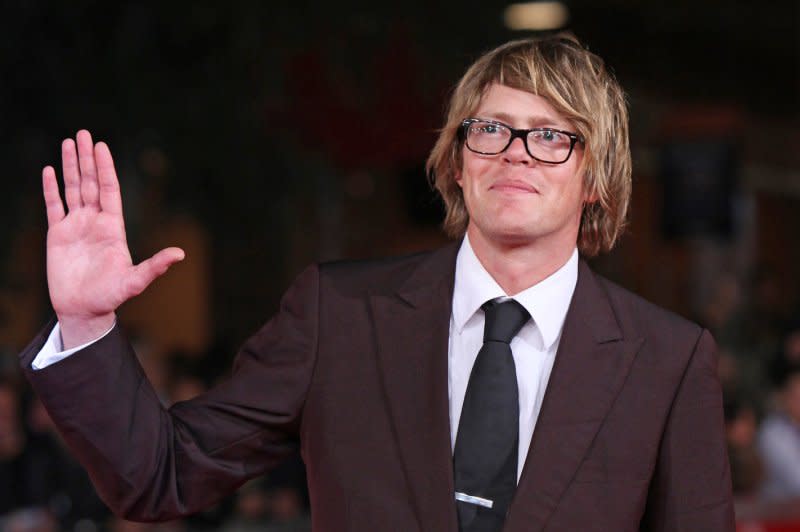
<point x="759" y="342"/>
<point x="43" y="489"/>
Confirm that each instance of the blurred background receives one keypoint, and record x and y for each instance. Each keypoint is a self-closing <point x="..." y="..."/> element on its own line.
<point x="261" y="137"/>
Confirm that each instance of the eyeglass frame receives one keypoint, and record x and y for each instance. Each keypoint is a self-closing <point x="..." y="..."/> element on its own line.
<point x="518" y="133"/>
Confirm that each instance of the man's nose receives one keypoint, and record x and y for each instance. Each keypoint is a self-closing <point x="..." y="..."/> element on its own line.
<point x="516" y="152"/>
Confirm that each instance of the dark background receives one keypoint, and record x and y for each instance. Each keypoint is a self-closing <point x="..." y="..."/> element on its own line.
<point x="296" y="132"/>
<point x="263" y="136"/>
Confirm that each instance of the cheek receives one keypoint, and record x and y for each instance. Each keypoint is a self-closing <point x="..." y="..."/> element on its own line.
<point x="572" y="186"/>
<point x="473" y="174"/>
<point x="473" y="164"/>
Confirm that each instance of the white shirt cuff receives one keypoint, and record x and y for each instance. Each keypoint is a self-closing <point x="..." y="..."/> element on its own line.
<point x="52" y="352"/>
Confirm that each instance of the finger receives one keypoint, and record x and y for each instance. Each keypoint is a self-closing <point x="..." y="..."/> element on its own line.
<point x="110" y="199"/>
<point x="72" y="175"/>
<point x="52" y="199"/>
<point x="90" y="192"/>
<point x="147" y="271"/>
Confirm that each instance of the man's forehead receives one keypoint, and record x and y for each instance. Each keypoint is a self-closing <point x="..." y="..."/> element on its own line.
<point x="518" y="107"/>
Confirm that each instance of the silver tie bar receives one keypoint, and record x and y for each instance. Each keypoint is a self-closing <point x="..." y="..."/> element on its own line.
<point x="471" y="499"/>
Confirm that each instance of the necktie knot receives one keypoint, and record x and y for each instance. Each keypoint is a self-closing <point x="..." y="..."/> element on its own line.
<point x="503" y="320"/>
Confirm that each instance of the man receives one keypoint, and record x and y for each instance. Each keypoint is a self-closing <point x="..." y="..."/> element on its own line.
<point x="495" y="383"/>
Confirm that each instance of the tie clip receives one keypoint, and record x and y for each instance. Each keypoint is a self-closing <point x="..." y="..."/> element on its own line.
<point x="463" y="497"/>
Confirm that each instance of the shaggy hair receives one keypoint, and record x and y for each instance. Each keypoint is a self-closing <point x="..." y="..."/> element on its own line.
<point x="576" y="83"/>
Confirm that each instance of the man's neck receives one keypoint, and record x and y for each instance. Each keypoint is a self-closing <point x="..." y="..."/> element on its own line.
<point x="518" y="267"/>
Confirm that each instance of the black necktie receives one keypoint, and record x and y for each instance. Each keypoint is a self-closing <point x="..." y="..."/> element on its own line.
<point x="487" y="443"/>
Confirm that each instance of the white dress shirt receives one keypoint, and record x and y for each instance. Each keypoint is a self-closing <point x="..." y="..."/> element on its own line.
<point x="534" y="347"/>
<point x="53" y="349"/>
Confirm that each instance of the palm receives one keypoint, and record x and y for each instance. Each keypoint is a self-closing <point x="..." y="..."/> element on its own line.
<point x="89" y="267"/>
<point x="87" y="257"/>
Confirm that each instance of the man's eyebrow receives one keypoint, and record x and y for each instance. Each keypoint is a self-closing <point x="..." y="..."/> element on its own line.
<point x="531" y="121"/>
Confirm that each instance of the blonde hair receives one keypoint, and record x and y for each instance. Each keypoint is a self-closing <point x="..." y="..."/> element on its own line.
<point x="576" y="83"/>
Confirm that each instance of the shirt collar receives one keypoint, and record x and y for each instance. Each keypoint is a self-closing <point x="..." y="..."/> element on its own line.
<point x="547" y="301"/>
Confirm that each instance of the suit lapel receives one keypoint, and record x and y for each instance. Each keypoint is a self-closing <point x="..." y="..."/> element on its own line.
<point x="591" y="364"/>
<point x="412" y="329"/>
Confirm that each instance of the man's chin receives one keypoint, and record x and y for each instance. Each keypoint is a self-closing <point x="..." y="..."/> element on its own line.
<point x="513" y="236"/>
<point x="506" y="233"/>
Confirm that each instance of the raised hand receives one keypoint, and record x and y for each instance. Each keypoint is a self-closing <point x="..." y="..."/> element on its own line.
<point x="89" y="267"/>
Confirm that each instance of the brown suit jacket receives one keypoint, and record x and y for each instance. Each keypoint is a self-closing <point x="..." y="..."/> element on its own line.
<point x="353" y="372"/>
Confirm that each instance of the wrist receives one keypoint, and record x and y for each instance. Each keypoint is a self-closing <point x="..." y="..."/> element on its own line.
<point x="77" y="331"/>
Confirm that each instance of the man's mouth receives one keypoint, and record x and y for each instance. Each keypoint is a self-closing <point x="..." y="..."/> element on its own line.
<point x="513" y="185"/>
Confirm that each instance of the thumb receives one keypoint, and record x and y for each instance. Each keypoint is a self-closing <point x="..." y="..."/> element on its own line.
<point x="147" y="271"/>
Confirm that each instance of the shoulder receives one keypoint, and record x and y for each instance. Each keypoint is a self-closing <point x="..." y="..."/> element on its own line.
<point x="384" y="275"/>
<point x="637" y="316"/>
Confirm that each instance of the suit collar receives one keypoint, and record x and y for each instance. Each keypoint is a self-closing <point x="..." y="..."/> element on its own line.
<point x="435" y="269"/>
<point x="591" y="306"/>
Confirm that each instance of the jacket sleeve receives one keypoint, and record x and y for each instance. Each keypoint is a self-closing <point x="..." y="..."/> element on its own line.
<point x="691" y="488"/>
<point x="149" y="463"/>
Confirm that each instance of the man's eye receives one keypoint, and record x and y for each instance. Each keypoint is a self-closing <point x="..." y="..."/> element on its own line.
<point x="488" y="129"/>
<point x="549" y="136"/>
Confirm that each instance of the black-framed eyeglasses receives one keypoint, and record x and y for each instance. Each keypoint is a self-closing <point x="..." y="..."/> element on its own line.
<point x="545" y="144"/>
